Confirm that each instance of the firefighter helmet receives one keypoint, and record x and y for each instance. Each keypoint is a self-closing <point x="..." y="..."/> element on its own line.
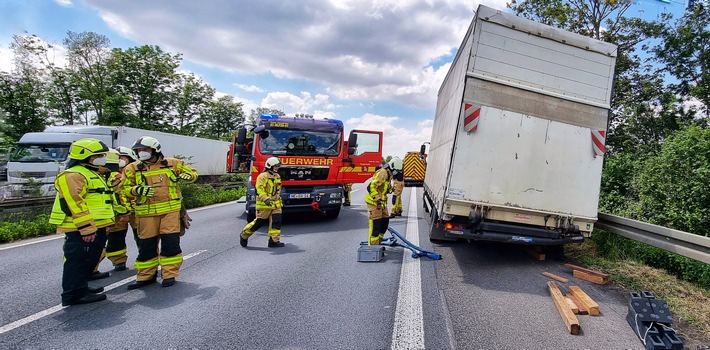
<point x="127" y="152"/>
<point x="147" y="142"/>
<point x="112" y="157"/>
<point x="396" y="164"/>
<point x="85" y="148"/>
<point x="272" y="162"/>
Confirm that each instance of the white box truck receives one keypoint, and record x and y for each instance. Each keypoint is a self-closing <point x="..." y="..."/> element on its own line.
<point x="39" y="156"/>
<point x="517" y="144"/>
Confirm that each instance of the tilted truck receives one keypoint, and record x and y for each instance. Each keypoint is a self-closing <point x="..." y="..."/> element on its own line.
<point x="518" y="139"/>
<point x="39" y="156"/>
<point x="316" y="160"/>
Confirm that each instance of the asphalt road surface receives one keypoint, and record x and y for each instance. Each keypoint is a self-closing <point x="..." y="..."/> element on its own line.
<point x="311" y="294"/>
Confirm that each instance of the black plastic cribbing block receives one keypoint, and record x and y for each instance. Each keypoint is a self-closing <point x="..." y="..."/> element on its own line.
<point x="647" y="294"/>
<point x="642" y="309"/>
<point x="660" y="309"/>
<point x="670" y="338"/>
<point x="654" y="342"/>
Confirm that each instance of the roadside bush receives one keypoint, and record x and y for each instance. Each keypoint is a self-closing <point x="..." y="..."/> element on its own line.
<point x="25" y="228"/>
<point x="34" y="223"/>
<point x="195" y="195"/>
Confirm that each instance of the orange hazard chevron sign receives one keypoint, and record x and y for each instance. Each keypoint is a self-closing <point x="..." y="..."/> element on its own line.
<point x="414" y="168"/>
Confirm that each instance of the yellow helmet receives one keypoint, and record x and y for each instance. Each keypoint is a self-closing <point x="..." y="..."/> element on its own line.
<point x="85" y="148"/>
<point x="112" y="157"/>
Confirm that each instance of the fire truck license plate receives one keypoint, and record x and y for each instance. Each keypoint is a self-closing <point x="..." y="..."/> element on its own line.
<point x="299" y="195"/>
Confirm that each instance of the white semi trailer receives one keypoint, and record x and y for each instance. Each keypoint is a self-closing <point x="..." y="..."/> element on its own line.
<point x="517" y="145"/>
<point x="39" y="156"/>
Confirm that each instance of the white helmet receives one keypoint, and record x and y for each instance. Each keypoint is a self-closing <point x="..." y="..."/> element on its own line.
<point x="396" y="164"/>
<point x="147" y="142"/>
<point x="272" y="162"/>
<point x="125" y="151"/>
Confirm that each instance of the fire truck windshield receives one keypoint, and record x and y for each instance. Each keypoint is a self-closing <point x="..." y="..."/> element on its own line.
<point x="301" y="142"/>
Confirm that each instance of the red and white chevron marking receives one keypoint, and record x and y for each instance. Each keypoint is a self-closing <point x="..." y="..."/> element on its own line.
<point x="470" y="119"/>
<point x="598" y="141"/>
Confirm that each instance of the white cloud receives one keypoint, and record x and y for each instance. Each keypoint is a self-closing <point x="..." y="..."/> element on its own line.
<point x="249" y="88"/>
<point x="365" y="50"/>
<point x="319" y="105"/>
<point x="65" y="3"/>
<point x="397" y="140"/>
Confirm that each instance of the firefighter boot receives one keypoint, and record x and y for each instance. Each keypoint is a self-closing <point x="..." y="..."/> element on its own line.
<point x="119" y="267"/>
<point x="96" y="290"/>
<point x="139" y="284"/>
<point x="243" y="241"/>
<point x="276" y="244"/>
<point x="86" y="299"/>
<point x="96" y="275"/>
<point x="167" y="282"/>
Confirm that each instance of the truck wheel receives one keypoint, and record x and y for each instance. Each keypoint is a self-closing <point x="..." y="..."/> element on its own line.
<point x="333" y="213"/>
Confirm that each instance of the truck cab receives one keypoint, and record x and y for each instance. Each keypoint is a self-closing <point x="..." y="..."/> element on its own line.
<point x="316" y="160"/>
<point x="38" y="157"/>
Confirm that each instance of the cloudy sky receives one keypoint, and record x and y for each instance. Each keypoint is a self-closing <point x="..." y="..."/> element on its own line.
<point x="375" y="64"/>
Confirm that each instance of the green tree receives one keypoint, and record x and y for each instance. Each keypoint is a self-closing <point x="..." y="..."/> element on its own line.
<point x="685" y="54"/>
<point x="22" y="103"/>
<point x="221" y="119"/>
<point x="145" y="78"/>
<point x="255" y="113"/>
<point x="673" y="185"/>
<point x="87" y="57"/>
<point x="193" y="99"/>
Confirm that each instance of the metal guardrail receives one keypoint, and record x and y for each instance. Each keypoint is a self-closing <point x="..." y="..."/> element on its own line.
<point x="17" y="204"/>
<point x="682" y="243"/>
<point x="11" y="205"/>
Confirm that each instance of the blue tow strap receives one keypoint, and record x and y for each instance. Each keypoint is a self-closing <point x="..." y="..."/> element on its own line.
<point x="416" y="251"/>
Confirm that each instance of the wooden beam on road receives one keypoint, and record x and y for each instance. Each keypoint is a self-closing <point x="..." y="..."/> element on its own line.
<point x="587" y="302"/>
<point x="568" y="316"/>
<point x="588" y="274"/>
<point x="555" y="277"/>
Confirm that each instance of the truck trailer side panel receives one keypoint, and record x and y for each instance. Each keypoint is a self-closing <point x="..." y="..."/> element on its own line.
<point x="207" y="156"/>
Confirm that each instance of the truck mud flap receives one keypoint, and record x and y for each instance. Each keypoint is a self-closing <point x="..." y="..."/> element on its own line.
<point x="518" y="239"/>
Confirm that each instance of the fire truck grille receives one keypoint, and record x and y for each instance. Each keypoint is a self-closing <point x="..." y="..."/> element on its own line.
<point x="304" y="173"/>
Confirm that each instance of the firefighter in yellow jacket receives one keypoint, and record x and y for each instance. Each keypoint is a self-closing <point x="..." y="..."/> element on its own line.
<point x="153" y="180"/>
<point x="116" y="249"/>
<point x="268" y="205"/>
<point x="346" y="194"/>
<point x="398" y="186"/>
<point x="82" y="210"/>
<point x="376" y="199"/>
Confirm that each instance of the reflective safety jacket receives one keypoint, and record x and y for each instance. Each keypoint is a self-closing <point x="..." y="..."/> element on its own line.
<point x="378" y="188"/>
<point x="268" y="186"/>
<point x="83" y="202"/>
<point x="163" y="176"/>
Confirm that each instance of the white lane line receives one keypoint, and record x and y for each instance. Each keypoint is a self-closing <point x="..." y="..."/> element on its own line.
<point x="19" y="323"/>
<point x="58" y="236"/>
<point x="408" y="330"/>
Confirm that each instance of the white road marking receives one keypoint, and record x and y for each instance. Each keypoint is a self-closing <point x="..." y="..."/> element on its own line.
<point x="408" y="330"/>
<point x="58" y="236"/>
<point x="19" y="323"/>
